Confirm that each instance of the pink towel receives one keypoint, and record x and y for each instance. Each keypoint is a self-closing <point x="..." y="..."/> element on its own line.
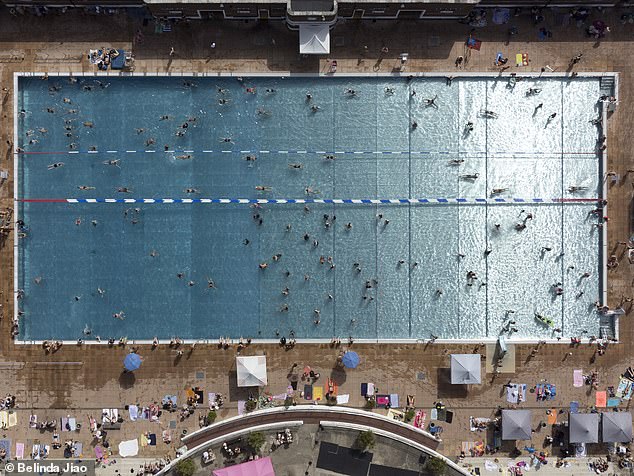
<point x="242" y="407"/>
<point x="19" y="451"/>
<point x="577" y="378"/>
<point x="98" y="452"/>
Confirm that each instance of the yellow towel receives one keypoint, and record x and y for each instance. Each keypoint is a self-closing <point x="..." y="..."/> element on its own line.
<point x="13" y="419"/>
<point x="144" y="440"/>
<point x="318" y="393"/>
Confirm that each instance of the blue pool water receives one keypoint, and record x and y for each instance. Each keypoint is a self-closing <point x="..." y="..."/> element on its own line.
<point x="378" y="155"/>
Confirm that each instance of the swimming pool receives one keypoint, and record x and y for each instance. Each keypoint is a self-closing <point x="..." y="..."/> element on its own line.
<point x="192" y="269"/>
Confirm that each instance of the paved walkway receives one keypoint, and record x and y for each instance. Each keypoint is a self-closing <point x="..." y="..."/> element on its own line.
<point x="83" y="380"/>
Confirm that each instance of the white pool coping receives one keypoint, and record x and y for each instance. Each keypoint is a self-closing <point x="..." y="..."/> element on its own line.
<point x="454" y="74"/>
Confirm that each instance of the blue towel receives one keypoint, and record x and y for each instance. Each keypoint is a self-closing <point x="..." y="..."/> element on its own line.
<point x="6" y="445"/>
<point x="364" y="389"/>
<point x="574" y="407"/>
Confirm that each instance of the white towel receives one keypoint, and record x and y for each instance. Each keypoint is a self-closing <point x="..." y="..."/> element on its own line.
<point x="134" y="412"/>
<point x="129" y="448"/>
<point x="370" y="391"/>
<point x="343" y="399"/>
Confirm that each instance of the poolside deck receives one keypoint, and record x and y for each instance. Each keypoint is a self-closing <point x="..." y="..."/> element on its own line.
<point x="82" y="380"/>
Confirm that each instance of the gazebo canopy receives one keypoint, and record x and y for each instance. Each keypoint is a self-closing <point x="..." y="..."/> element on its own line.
<point x="251" y="371"/>
<point x="465" y="368"/>
<point x="617" y="427"/>
<point x="314" y="39"/>
<point x="257" y="467"/>
<point x="584" y="427"/>
<point x="516" y="424"/>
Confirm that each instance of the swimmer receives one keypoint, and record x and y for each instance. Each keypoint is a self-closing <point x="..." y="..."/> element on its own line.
<point x="574" y="188"/>
<point x="223" y="90"/>
<point x="42" y="130"/>
<point x="140" y="130"/>
<point x="226" y="140"/>
<point x="348" y="226"/>
<point x="263" y="188"/>
<point x="329" y="157"/>
<point x="250" y="158"/>
<point x="66" y="100"/>
<point x="119" y="315"/>
<point x="496" y="191"/>
<point x="124" y="190"/>
<point x="85" y="187"/>
<point x="56" y="165"/>
<point x="469" y="127"/>
<point x="456" y="161"/>
<point x="164" y="118"/>
<point x="489" y="114"/>
<point x="150" y="141"/>
<point x="470" y="176"/>
<point x="389" y="91"/>
<point x="211" y="284"/>
<point x="310" y="191"/>
<point x="223" y="101"/>
<point x="183" y="157"/>
<point x="414" y="125"/>
<point x="87" y="330"/>
<point x="263" y="265"/>
<point x="114" y="162"/>
<point x="191" y="283"/>
<point x="154" y="253"/>
<point x="315" y="108"/>
<point x="270" y="90"/>
<point x="350" y="92"/>
<point x="50" y="110"/>
<point x="89" y="124"/>
<point x="263" y="112"/>
<point x="432" y="101"/>
<point x="533" y="91"/>
<point x="309" y="96"/>
<point x="295" y="166"/>
<point x="192" y="190"/>
<point x="94" y="222"/>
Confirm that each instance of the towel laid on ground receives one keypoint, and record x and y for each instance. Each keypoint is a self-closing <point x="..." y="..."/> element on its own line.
<point x="577" y="378"/>
<point x="394" y="400"/>
<point x="318" y="393"/>
<point x="13" y="419"/>
<point x="601" y="399"/>
<point x="4" y="419"/>
<point x="19" y="451"/>
<point x="6" y="445"/>
<point x="382" y="400"/>
<point x="73" y="424"/>
<point x="242" y="407"/>
<point x="65" y="425"/>
<point x="613" y="402"/>
<point x="78" y="449"/>
<point x="552" y="417"/>
<point x="143" y="441"/>
<point x="419" y="419"/>
<point x="134" y="412"/>
<point x="308" y="392"/>
<point x="343" y="399"/>
<point x="574" y="407"/>
<point x="152" y="439"/>
<point x="129" y="448"/>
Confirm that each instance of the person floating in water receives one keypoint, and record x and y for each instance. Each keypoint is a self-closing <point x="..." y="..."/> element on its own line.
<point x="114" y="162"/>
<point x="295" y="166"/>
<point x="56" y="165"/>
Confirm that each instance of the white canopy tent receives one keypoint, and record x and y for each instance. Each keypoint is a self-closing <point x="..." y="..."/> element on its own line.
<point x="314" y="39"/>
<point x="465" y="368"/>
<point x="251" y="371"/>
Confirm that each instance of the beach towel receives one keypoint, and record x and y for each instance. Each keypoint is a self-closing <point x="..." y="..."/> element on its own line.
<point x="78" y="449"/>
<point x="33" y="421"/>
<point x="574" y="407"/>
<point x="152" y="439"/>
<point x="211" y="396"/>
<point x="93" y="424"/>
<point x="4" y="419"/>
<point x="394" y="400"/>
<point x="308" y="392"/>
<point x="19" y="451"/>
<point x="552" y="417"/>
<point x="13" y="419"/>
<point x="516" y="393"/>
<point x="613" y="402"/>
<point x="474" y="44"/>
<point x="434" y="414"/>
<point x="73" y="424"/>
<point x="65" y="425"/>
<point x="601" y="399"/>
<point x="35" y="451"/>
<point x="143" y="441"/>
<point x="521" y="59"/>
<point x="129" y="448"/>
<point x="419" y="419"/>
<point x="577" y="378"/>
<point x="382" y="400"/>
<point x="318" y="393"/>
<point x="166" y="436"/>
<point x="134" y="412"/>
<point x="539" y="391"/>
<point x="343" y="399"/>
<point x="6" y="445"/>
<point x="364" y="389"/>
<point x="370" y="390"/>
<point x="171" y="399"/>
<point x="242" y="407"/>
<point x="625" y="387"/>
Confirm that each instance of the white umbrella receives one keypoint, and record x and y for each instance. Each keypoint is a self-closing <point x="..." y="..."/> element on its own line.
<point x="251" y="371"/>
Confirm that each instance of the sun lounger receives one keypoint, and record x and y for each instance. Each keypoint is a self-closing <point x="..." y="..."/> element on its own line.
<point x="577" y="378"/>
<point x="19" y="451"/>
<point x="134" y="412"/>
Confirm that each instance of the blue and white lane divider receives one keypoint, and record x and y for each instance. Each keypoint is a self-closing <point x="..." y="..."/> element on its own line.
<point x="263" y="201"/>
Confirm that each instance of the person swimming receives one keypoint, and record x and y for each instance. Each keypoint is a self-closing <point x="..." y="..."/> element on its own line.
<point x="56" y="165"/>
<point x="85" y="187"/>
<point x="263" y="188"/>
<point x="114" y="162"/>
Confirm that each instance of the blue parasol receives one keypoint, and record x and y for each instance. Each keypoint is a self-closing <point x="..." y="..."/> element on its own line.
<point x="132" y="362"/>
<point x="350" y="360"/>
